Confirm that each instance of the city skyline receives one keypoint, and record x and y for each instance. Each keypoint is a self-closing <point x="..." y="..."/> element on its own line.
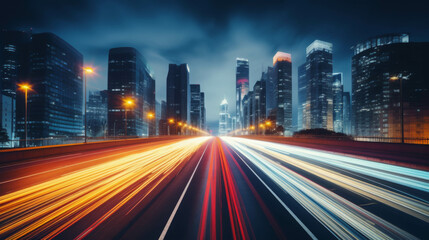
<point x="210" y="39"/>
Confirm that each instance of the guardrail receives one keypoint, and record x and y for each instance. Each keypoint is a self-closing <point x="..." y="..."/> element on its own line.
<point x="16" y="154"/>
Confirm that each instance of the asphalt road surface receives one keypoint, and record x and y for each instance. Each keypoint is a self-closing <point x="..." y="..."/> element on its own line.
<point x="212" y="188"/>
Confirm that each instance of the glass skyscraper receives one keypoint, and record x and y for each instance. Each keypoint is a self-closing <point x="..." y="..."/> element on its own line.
<point x="129" y="77"/>
<point x="282" y="64"/>
<point x="302" y="96"/>
<point x="242" y="87"/>
<point x="55" y="103"/>
<point x="96" y="111"/>
<point x="379" y="67"/>
<point x="178" y="94"/>
<point x="337" y="91"/>
<point x="319" y="107"/>
<point x="195" y="105"/>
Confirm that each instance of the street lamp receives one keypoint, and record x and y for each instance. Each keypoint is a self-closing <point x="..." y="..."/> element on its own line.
<point x="150" y="116"/>
<point x="170" y="121"/>
<point x="395" y="78"/>
<point x="127" y="102"/>
<point x="25" y="87"/>
<point x="86" y="71"/>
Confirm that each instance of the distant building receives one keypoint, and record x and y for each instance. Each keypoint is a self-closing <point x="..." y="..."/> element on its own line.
<point x="242" y="87"/>
<point x="129" y="78"/>
<point x="302" y="96"/>
<point x="14" y="57"/>
<point x="259" y="103"/>
<point x="203" y="112"/>
<point x="282" y="64"/>
<point x="162" y="122"/>
<point x="247" y="110"/>
<point x="270" y="86"/>
<point x="223" y="118"/>
<point x="96" y="111"/>
<point x="347" y="121"/>
<point x="337" y="91"/>
<point x="319" y="106"/>
<point x="379" y="66"/>
<point x="55" y="103"/>
<point x="7" y="119"/>
<point x="195" y="105"/>
<point x="178" y="94"/>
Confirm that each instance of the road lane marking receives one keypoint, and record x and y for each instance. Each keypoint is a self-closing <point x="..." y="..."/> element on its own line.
<point x="170" y="220"/>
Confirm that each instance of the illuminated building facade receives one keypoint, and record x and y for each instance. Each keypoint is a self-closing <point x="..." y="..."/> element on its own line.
<point x="129" y="78"/>
<point x="379" y="67"/>
<point x="178" y="94"/>
<point x="302" y="96"/>
<point x="242" y="87"/>
<point x="319" y="106"/>
<point x="55" y="102"/>
<point x="13" y="69"/>
<point x="347" y="121"/>
<point x="282" y="65"/>
<point x="195" y="105"/>
<point x="203" y="111"/>
<point x="224" y="118"/>
<point x="337" y="91"/>
<point x="96" y="111"/>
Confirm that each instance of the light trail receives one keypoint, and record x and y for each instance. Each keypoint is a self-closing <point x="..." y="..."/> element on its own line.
<point x="343" y="218"/>
<point x="57" y="204"/>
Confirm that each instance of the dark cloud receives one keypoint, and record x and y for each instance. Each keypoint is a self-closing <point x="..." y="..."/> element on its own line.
<point x="209" y="35"/>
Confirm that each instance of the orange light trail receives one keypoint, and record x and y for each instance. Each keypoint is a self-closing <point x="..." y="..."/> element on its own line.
<point x="57" y="204"/>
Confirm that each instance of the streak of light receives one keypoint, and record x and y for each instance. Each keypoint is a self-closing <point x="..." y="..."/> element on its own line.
<point x="343" y="218"/>
<point x="57" y="204"/>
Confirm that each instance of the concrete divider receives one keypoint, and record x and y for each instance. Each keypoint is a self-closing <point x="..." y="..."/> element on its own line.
<point x="18" y="154"/>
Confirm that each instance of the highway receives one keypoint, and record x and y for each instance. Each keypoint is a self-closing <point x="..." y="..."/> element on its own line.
<point x="211" y="188"/>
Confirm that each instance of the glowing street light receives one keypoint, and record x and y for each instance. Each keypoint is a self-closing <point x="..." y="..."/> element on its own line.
<point x="170" y="121"/>
<point x="25" y="87"/>
<point x="150" y="115"/>
<point x="128" y="103"/>
<point x="86" y="71"/>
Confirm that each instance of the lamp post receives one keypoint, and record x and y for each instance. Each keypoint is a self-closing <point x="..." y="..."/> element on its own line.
<point x="170" y="121"/>
<point x="395" y="78"/>
<point x="128" y="102"/>
<point x="262" y="128"/>
<point x="150" y="116"/>
<point x="86" y="71"/>
<point x="25" y="87"/>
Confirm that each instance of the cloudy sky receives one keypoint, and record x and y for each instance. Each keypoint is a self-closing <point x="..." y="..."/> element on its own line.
<point x="209" y="35"/>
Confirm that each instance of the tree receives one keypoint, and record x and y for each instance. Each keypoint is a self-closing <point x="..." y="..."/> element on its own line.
<point x="3" y="136"/>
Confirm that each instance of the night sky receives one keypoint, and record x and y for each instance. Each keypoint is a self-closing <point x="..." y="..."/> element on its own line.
<point x="209" y="35"/>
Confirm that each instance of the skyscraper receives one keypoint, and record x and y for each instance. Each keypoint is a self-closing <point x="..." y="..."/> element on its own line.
<point x="129" y="78"/>
<point x="259" y="102"/>
<point x="14" y="46"/>
<point x="242" y="87"/>
<point x="346" y="114"/>
<point x="55" y="103"/>
<point x="178" y="94"/>
<point x="195" y="105"/>
<point x="337" y="91"/>
<point x="203" y="112"/>
<point x="270" y="86"/>
<point x="319" y="91"/>
<point x="282" y="64"/>
<point x="390" y="83"/>
<point x="302" y="96"/>
<point x="97" y="113"/>
<point x="223" y="118"/>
